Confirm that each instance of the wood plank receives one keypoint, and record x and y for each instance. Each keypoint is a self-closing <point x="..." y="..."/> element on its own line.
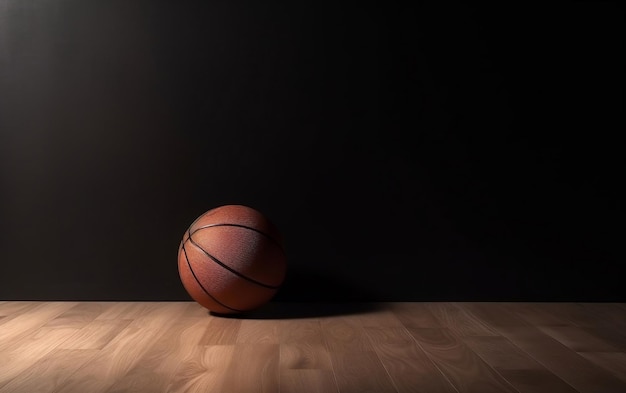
<point x="155" y="315"/>
<point x="410" y="369"/>
<point x="96" y="335"/>
<point x="501" y="316"/>
<point x="463" y="368"/>
<point x="203" y="371"/>
<point x="613" y="362"/>
<point x="304" y="356"/>
<point x="156" y="368"/>
<point x="27" y="351"/>
<point x="493" y="314"/>
<point x="221" y="331"/>
<point x="500" y="353"/>
<point x="34" y="318"/>
<point x="258" y="331"/>
<point x="576" y="313"/>
<point x="253" y="369"/>
<point x="459" y="321"/>
<point x="12" y="309"/>
<point x="538" y="314"/>
<point x="580" y="314"/>
<point x="380" y="317"/>
<point x="415" y="314"/>
<point x="344" y="334"/>
<point x="125" y="310"/>
<point x="302" y="346"/>
<point x="49" y="372"/>
<point x="577" y="339"/>
<point x="78" y="316"/>
<point x="607" y="314"/>
<point x="562" y="361"/>
<point x="614" y="335"/>
<point x="516" y="366"/>
<point x="117" y="347"/>
<point x="194" y="310"/>
<point x="300" y="331"/>
<point x="360" y="371"/>
<point x="307" y="381"/>
<point x="538" y="380"/>
<point x="123" y="352"/>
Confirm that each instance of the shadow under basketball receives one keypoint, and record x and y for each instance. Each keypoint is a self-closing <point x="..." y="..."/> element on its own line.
<point x="295" y="310"/>
<point x="310" y="294"/>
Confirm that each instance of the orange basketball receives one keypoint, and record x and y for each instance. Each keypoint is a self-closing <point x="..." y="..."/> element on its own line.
<point x="231" y="259"/>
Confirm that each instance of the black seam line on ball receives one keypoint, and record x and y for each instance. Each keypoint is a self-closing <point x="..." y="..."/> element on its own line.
<point x="230" y="269"/>
<point x="202" y="286"/>
<point x="239" y="226"/>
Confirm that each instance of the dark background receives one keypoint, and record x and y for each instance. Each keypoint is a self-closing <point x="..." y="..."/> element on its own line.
<point x="424" y="152"/>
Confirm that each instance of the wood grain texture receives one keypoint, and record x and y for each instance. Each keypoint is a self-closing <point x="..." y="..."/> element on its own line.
<point x="24" y="323"/>
<point x="538" y="380"/>
<point x="380" y="317"/>
<point x="30" y="349"/>
<point x="614" y="362"/>
<point x="415" y="314"/>
<point x="360" y="371"/>
<point x="96" y="334"/>
<point x="578" y="339"/>
<point x="12" y="309"/>
<point x="607" y="314"/>
<point x="304" y="356"/>
<point x="253" y="369"/>
<point x="410" y="369"/>
<point x="115" y="347"/>
<point x="123" y="352"/>
<point x="78" y="316"/>
<point x="575" y="314"/>
<point x="255" y="331"/>
<point x="458" y="321"/>
<point x="516" y="366"/>
<point x="125" y="310"/>
<point x="560" y="368"/>
<point x="220" y="331"/>
<point x="203" y="371"/>
<point x="157" y="367"/>
<point x="574" y="369"/>
<point x="500" y="353"/>
<point x="310" y="381"/>
<point x="300" y="331"/>
<point x="494" y="313"/>
<point x="49" y="372"/>
<point x="345" y="334"/>
<point x="615" y="336"/>
<point x="302" y="346"/>
<point x="538" y="314"/>
<point x="462" y="366"/>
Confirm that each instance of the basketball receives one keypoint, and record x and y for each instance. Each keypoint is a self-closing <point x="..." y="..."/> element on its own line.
<point x="231" y="259"/>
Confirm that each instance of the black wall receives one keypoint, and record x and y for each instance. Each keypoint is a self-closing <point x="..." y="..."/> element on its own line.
<point x="446" y="152"/>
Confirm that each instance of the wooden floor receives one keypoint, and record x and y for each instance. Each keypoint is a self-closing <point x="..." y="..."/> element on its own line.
<point x="92" y="347"/>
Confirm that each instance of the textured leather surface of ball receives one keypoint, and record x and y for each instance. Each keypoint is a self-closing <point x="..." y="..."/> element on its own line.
<point x="231" y="259"/>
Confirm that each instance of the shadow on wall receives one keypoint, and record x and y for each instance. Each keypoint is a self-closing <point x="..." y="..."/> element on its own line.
<point x="309" y="285"/>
